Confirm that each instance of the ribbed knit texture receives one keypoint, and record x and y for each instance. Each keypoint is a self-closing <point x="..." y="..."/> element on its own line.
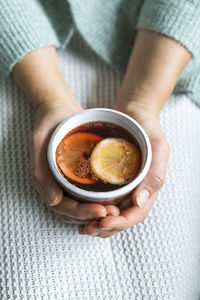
<point x="109" y="27"/>
<point x="41" y="258"/>
<point x="29" y="25"/>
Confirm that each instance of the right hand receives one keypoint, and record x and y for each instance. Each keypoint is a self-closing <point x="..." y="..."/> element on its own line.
<point x="136" y="210"/>
<point x="48" y="116"/>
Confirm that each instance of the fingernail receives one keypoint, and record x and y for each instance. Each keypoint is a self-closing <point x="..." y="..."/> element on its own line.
<point x="115" y="214"/>
<point x="106" y="229"/>
<point x="51" y="197"/>
<point x="142" y="198"/>
<point x="94" y="234"/>
<point x="98" y="215"/>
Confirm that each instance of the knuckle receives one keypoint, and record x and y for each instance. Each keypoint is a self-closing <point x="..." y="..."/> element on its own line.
<point x="143" y="217"/>
<point x="141" y="220"/>
<point x="122" y="228"/>
<point x="31" y="178"/>
<point x="158" y="181"/>
<point x="38" y="135"/>
<point x="162" y="143"/>
<point x="55" y="210"/>
<point x="36" y="138"/>
<point x="32" y="142"/>
<point x="165" y="146"/>
<point x="81" y="213"/>
<point x="36" y="175"/>
<point x="67" y="220"/>
<point x="78" y="215"/>
<point x="158" y="140"/>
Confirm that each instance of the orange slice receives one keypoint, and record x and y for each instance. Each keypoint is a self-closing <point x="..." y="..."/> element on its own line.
<point x="73" y="155"/>
<point x="116" y="161"/>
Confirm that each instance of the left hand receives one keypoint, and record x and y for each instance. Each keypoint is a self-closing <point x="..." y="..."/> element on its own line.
<point x="143" y="197"/>
<point x="42" y="80"/>
<point x="48" y="116"/>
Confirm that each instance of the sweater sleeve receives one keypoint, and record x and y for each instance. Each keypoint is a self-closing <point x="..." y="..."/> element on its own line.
<point x="177" y="19"/>
<point x="24" y="27"/>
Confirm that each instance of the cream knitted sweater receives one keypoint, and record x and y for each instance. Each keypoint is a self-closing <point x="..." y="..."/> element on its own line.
<point x="41" y="258"/>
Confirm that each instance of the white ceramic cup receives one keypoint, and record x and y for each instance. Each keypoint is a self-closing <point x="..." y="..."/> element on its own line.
<point x="104" y="115"/>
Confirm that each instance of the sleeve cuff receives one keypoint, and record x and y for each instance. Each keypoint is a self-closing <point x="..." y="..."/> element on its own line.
<point x="179" y="20"/>
<point x="23" y="28"/>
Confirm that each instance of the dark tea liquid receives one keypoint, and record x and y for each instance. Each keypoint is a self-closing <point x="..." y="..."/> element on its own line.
<point x="105" y="130"/>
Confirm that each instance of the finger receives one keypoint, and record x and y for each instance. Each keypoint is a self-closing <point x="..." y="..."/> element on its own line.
<point x="112" y="210"/>
<point x="125" y="203"/>
<point x="40" y="175"/>
<point x="156" y="175"/>
<point x="105" y="235"/>
<point x="92" y="229"/>
<point x="81" y="229"/>
<point x="127" y="218"/>
<point x="46" y="186"/>
<point x="70" y="220"/>
<point x="82" y="211"/>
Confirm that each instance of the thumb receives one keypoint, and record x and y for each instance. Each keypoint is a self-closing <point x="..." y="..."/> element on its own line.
<point x="50" y="190"/>
<point x="155" y="178"/>
<point x="40" y="175"/>
<point x="47" y="187"/>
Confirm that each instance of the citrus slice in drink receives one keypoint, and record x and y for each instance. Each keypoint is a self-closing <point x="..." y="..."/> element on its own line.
<point x="116" y="161"/>
<point x="73" y="156"/>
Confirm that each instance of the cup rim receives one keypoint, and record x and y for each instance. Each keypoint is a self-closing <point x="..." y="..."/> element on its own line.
<point x="91" y="195"/>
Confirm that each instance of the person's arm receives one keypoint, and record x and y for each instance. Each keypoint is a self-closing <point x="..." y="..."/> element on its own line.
<point x="40" y="77"/>
<point x="27" y="49"/>
<point x="155" y="65"/>
<point x="153" y="70"/>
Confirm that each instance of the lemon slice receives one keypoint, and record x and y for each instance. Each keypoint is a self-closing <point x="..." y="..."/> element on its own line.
<point x="116" y="161"/>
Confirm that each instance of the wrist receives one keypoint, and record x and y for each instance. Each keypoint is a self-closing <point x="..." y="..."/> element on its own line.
<point x="49" y="114"/>
<point x="138" y="99"/>
<point x="56" y="102"/>
<point x="40" y="77"/>
<point x="57" y="107"/>
<point x="154" y="67"/>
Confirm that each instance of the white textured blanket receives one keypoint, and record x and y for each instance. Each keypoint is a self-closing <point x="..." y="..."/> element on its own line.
<point x="42" y="258"/>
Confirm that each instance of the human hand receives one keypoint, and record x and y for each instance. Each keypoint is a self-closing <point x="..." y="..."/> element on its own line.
<point x="154" y="67"/>
<point x="70" y="210"/>
<point x="41" y="78"/>
<point x="138" y="206"/>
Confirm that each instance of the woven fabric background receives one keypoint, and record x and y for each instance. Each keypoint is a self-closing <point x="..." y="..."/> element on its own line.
<point x="41" y="258"/>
